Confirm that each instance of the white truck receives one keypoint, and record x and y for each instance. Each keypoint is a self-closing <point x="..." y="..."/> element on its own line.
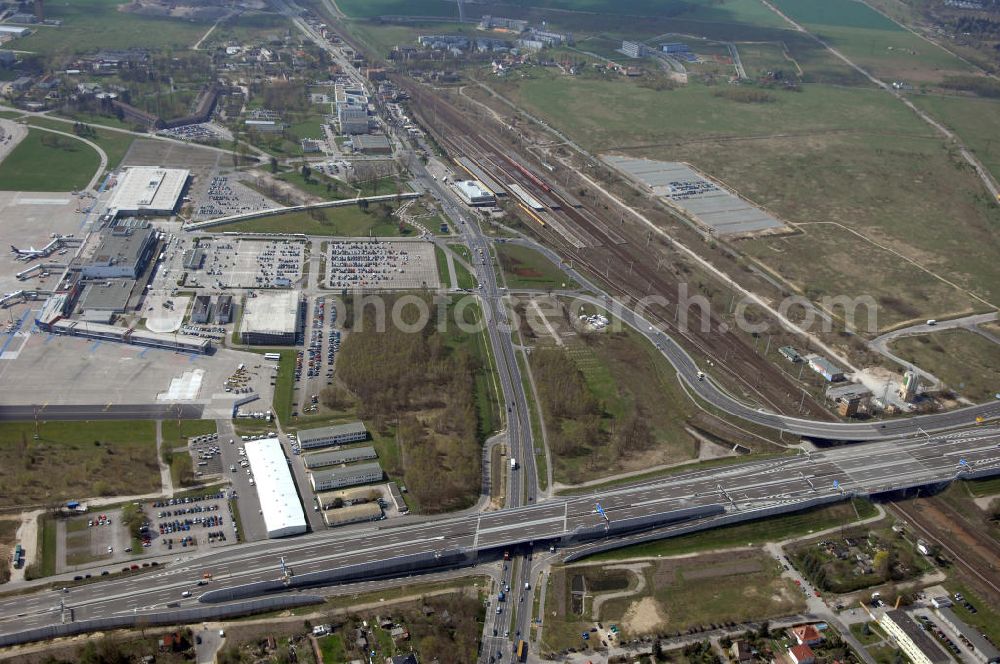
<point x="513" y="463"/>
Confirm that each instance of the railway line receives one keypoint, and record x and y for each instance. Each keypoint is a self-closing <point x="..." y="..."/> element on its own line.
<point x="614" y="255"/>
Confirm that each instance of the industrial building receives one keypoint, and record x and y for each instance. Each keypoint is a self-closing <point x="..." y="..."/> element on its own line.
<point x="790" y="354"/>
<point x="202" y="311"/>
<point x="339" y="457"/>
<point x="338" y="478"/>
<point x="353" y="514"/>
<point x="917" y="644"/>
<point x="279" y="501"/>
<point x="121" y="253"/>
<point x="272" y="319"/>
<point x="675" y="47"/>
<point x="13" y="31"/>
<point x="825" y="368"/>
<point x="374" y="144"/>
<point x="501" y="23"/>
<point x="474" y="193"/>
<point x="338" y="434"/>
<point x="352" y="119"/>
<point x="149" y="191"/>
<point x="224" y="310"/>
<point x="194" y="259"/>
<point x="100" y="301"/>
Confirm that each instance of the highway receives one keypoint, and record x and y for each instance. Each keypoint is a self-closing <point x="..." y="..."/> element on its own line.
<point x="701" y="498"/>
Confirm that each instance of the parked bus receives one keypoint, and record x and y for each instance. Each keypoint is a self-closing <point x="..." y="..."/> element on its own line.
<point x="522" y="651"/>
<point x="272" y="357"/>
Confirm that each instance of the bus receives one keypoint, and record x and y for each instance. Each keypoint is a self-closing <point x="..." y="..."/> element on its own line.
<point x="18" y="556"/>
<point x="272" y="357"/>
<point x="522" y="651"/>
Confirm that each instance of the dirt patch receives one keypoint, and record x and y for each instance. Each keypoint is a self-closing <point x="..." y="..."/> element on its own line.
<point x="731" y="569"/>
<point x="644" y="616"/>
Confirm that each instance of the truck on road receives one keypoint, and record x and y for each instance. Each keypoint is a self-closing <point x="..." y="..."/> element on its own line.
<point x="513" y="463"/>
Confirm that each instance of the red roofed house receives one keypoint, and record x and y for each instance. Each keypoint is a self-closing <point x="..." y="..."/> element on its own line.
<point x="802" y="654"/>
<point x="806" y="635"/>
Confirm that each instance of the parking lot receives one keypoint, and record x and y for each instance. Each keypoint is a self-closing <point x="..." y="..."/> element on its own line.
<point x="236" y="263"/>
<point x="206" y="456"/>
<point x="381" y="265"/>
<point x="193" y="522"/>
<point x="314" y="365"/>
<point x="226" y="196"/>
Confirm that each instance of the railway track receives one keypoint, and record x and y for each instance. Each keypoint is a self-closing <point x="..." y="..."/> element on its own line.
<point x="617" y="255"/>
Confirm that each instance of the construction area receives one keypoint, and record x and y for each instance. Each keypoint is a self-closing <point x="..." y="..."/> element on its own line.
<point x="681" y="187"/>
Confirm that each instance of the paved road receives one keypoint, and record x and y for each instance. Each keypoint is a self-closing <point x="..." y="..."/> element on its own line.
<point x="164" y="411"/>
<point x="746" y="490"/>
<point x="688" y="371"/>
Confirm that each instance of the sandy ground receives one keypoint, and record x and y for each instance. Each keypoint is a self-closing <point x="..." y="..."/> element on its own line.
<point x="643" y="616"/>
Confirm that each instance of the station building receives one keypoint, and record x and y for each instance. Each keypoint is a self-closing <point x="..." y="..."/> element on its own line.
<point x="473" y="193"/>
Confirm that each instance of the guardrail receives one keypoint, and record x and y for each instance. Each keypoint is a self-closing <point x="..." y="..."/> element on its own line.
<point x="178" y="617"/>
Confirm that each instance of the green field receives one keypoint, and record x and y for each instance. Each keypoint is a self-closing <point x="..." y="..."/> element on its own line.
<point x="976" y="121"/>
<point x="114" y="143"/>
<point x="372" y="8"/>
<point x="526" y="268"/>
<point x="442" y="265"/>
<point x="105" y="458"/>
<point x="92" y="25"/>
<point x="38" y="165"/>
<point x="753" y="533"/>
<point x="967" y="362"/>
<point x="177" y="432"/>
<point x="347" y="221"/>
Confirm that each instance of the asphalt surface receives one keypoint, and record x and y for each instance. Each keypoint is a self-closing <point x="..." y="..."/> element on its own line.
<point x="743" y="490"/>
<point x="164" y="411"/>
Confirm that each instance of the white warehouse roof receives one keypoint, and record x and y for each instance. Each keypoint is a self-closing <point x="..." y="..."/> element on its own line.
<point x="283" y="515"/>
<point x="271" y="313"/>
<point x="149" y="189"/>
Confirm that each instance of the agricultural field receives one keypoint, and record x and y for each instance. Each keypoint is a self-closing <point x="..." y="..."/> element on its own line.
<point x="967" y="362"/>
<point x="48" y="162"/>
<point x="666" y="595"/>
<point x="92" y="25"/>
<point x="589" y="109"/>
<point x="873" y="41"/>
<point x="107" y="458"/>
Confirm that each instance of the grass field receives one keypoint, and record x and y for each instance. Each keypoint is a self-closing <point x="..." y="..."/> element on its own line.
<point x="679" y="594"/>
<point x="178" y="432"/>
<point x="965" y="361"/>
<point x="976" y="121"/>
<point x="115" y="144"/>
<point x="526" y="268"/>
<point x="106" y="458"/>
<point x="753" y="533"/>
<point x="892" y="186"/>
<point x="91" y="25"/>
<point x="627" y="379"/>
<point x="588" y="108"/>
<point x="347" y="221"/>
<point x="442" y="265"/>
<point x="35" y="166"/>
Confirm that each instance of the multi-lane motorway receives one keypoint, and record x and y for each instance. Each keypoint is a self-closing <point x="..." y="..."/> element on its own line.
<point x="745" y="490"/>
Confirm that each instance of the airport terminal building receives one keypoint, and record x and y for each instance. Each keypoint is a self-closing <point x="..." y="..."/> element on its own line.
<point x="121" y="253"/>
<point x="149" y="191"/>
